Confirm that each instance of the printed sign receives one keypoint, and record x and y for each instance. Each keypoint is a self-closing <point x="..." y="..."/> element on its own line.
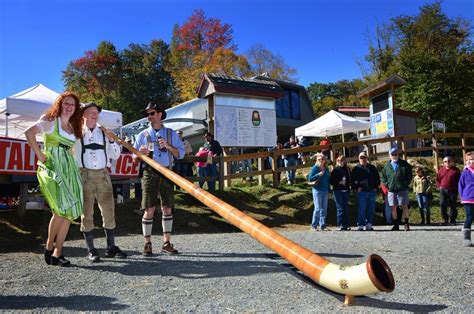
<point x="16" y="157"/>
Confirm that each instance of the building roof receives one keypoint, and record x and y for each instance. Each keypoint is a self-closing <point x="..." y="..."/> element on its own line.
<point x="398" y="111"/>
<point x="392" y="82"/>
<point x="218" y="83"/>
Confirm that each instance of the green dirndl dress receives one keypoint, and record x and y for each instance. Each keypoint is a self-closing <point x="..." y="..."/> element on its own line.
<point x="59" y="177"/>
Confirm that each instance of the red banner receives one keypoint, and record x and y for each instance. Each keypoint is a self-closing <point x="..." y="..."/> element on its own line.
<point x="16" y="157"/>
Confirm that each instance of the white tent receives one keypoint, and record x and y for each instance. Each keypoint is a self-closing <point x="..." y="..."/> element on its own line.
<point x="332" y="123"/>
<point x="20" y="111"/>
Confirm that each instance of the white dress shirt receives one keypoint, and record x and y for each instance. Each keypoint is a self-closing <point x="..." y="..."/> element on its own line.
<point x="95" y="159"/>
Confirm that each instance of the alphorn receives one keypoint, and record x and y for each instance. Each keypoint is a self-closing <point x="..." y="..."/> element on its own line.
<point x="370" y="277"/>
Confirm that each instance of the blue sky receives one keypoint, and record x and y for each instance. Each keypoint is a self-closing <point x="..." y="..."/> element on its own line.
<point x="321" y="39"/>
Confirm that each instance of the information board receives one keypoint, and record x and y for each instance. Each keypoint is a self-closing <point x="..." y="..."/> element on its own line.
<point x="245" y="121"/>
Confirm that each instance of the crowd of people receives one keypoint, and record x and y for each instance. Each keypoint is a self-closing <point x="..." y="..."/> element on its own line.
<point x="72" y="174"/>
<point x="394" y="181"/>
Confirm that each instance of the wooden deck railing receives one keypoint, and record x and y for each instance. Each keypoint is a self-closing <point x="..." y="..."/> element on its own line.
<point x="457" y="142"/>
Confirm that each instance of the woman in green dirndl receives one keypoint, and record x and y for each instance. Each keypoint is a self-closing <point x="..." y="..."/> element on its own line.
<point x="58" y="174"/>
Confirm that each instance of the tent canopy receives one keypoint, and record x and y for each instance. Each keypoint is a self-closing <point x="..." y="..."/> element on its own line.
<point x="18" y="112"/>
<point x="332" y="123"/>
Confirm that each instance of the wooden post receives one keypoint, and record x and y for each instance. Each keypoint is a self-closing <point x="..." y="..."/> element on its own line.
<point x="210" y="107"/>
<point x="23" y="195"/>
<point x="367" y="150"/>
<point x="227" y="168"/>
<point x="274" y="169"/>
<point x="402" y="139"/>
<point x="463" y="147"/>
<point x="221" y="173"/>
<point x="260" y="165"/>
<point x="434" y="144"/>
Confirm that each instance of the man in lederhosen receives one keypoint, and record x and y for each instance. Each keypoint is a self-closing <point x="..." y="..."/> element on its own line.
<point x="93" y="153"/>
<point x="163" y="145"/>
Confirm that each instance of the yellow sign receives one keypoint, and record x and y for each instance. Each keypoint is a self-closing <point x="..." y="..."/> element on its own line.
<point x="381" y="127"/>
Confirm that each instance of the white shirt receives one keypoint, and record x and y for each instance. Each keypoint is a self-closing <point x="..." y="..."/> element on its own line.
<point x="95" y="159"/>
<point x="47" y="127"/>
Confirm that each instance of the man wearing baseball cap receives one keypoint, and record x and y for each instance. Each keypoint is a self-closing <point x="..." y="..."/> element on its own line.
<point x="397" y="176"/>
<point x="365" y="181"/>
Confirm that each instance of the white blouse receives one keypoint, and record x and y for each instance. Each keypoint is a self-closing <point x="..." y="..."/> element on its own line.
<point x="47" y="127"/>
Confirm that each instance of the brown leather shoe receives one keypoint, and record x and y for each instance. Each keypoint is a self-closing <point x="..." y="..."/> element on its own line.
<point x="168" y="248"/>
<point x="147" y="250"/>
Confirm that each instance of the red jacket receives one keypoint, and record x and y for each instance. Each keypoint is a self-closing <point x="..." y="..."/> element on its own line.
<point x="448" y="178"/>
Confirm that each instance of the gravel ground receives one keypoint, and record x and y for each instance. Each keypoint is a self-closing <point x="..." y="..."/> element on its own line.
<point x="234" y="273"/>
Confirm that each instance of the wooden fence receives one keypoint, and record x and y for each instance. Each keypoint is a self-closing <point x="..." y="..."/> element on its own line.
<point x="440" y="143"/>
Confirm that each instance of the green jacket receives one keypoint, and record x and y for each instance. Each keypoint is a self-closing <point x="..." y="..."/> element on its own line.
<point x="397" y="181"/>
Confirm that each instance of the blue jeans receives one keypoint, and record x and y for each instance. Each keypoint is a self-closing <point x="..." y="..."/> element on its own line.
<point x="211" y="172"/>
<point x="290" y="161"/>
<point x="201" y="172"/>
<point x="320" y="199"/>
<point x="469" y="210"/>
<point x="342" y="205"/>
<point x="424" y="205"/>
<point x="366" y="210"/>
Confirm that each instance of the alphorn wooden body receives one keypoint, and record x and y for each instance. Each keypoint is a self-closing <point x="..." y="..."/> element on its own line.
<point x="370" y="277"/>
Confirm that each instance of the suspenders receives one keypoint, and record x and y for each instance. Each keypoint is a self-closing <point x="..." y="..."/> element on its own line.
<point x="93" y="146"/>
<point x="169" y="138"/>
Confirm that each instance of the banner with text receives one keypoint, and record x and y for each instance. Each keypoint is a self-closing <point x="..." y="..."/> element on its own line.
<point x="17" y="158"/>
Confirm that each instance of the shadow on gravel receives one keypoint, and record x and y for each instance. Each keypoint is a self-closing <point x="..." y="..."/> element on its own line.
<point x="381" y="304"/>
<point x="184" y="267"/>
<point x="72" y="303"/>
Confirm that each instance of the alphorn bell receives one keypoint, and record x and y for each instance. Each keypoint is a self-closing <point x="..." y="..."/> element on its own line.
<point x="370" y="277"/>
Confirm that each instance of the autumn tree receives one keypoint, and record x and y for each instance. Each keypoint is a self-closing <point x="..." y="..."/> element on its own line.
<point x="262" y="61"/>
<point x="125" y="80"/>
<point x="95" y="76"/>
<point x="434" y="53"/>
<point x="202" y="45"/>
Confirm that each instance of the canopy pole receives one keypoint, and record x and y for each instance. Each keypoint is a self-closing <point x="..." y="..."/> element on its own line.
<point x="343" y="147"/>
<point x="6" y="124"/>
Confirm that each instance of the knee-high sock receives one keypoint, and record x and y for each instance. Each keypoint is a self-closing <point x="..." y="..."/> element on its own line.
<point x="167" y="223"/>
<point x="147" y="225"/>
<point x="89" y="237"/>
<point x="109" y="234"/>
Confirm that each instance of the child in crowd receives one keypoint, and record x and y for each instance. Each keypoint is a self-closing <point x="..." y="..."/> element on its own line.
<point x="202" y="165"/>
<point x="422" y="189"/>
<point x="466" y="192"/>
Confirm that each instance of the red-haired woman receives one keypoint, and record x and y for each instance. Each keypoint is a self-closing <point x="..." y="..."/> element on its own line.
<point x="58" y="174"/>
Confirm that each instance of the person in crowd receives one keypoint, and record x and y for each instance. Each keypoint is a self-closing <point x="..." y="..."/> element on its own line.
<point x="325" y="151"/>
<point x="447" y="180"/>
<point x="466" y="192"/>
<point x="215" y="150"/>
<point x="290" y="160"/>
<point x="58" y="174"/>
<point x="397" y="176"/>
<point x="365" y="181"/>
<point x="387" y="210"/>
<point x="162" y="144"/>
<point x="318" y="179"/>
<point x="202" y="165"/>
<point x="341" y="184"/>
<point x="185" y="168"/>
<point x="93" y="153"/>
<point x="422" y="190"/>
